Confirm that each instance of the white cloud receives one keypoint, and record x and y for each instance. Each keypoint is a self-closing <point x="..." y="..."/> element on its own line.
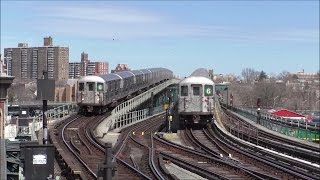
<point x="121" y="22"/>
<point x="104" y="14"/>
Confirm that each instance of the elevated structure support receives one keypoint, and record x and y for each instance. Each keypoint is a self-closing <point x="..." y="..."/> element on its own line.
<point x="3" y="159"/>
<point x="5" y="83"/>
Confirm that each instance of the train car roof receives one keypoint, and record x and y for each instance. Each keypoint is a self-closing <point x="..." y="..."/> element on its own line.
<point x="155" y="69"/>
<point x="137" y="72"/>
<point x="110" y="77"/>
<point x="202" y="72"/>
<point x="196" y="80"/>
<point x="91" y="79"/>
<point x="125" y="74"/>
<point x="146" y="71"/>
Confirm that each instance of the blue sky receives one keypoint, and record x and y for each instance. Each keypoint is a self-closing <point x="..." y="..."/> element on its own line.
<point x="226" y="36"/>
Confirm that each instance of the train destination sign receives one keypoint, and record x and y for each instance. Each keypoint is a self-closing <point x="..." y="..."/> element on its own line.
<point x="208" y="90"/>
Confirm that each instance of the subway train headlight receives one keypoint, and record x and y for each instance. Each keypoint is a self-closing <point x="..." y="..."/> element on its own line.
<point x="82" y="99"/>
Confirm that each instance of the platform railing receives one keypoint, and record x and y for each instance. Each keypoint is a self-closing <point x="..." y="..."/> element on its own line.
<point x="52" y="115"/>
<point x="136" y="101"/>
<point x="119" y="116"/>
<point x="302" y="123"/>
<point x="291" y="127"/>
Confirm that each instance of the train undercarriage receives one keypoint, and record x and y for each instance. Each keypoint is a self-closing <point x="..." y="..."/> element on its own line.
<point x="92" y="110"/>
<point x="195" y="121"/>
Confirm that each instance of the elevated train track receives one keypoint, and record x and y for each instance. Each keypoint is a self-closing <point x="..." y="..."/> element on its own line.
<point x="79" y="153"/>
<point x="280" y="144"/>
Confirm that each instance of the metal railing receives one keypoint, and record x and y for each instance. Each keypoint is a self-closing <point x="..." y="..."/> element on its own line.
<point x="52" y="115"/>
<point x="120" y="115"/>
<point x="298" y="122"/>
<point x="39" y="103"/>
<point x="291" y="127"/>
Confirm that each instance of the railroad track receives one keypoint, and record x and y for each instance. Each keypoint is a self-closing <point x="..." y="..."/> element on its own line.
<point x="272" y="166"/>
<point x="200" y="163"/>
<point x="280" y="144"/>
<point x="136" y="147"/>
<point x="141" y="137"/>
<point x="80" y="154"/>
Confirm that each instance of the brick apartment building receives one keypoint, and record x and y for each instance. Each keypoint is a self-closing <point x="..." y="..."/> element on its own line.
<point x="27" y="63"/>
<point x="87" y="68"/>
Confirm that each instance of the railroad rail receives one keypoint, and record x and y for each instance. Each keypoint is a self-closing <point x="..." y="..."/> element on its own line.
<point x="204" y="165"/>
<point x="250" y="158"/>
<point x="138" y="138"/>
<point x="241" y="129"/>
<point x="270" y="141"/>
<point x="79" y="153"/>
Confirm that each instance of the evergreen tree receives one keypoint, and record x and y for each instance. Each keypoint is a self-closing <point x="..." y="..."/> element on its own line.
<point x="262" y="76"/>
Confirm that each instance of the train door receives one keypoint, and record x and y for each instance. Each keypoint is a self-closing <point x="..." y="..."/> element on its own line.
<point x="90" y="95"/>
<point x="183" y="98"/>
<point x="80" y="93"/>
<point x="196" y="98"/>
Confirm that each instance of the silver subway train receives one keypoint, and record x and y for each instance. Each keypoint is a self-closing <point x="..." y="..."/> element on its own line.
<point x="98" y="93"/>
<point x="196" y="99"/>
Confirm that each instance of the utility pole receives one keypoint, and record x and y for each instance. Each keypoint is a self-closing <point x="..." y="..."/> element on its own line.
<point x="45" y="92"/>
<point x="108" y="164"/>
<point x="258" y="110"/>
<point x="44" y="109"/>
<point x="151" y="104"/>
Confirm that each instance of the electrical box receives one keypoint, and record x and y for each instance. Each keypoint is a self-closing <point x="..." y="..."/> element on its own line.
<point x="39" y="161"/>
<point x="45" y="89"/>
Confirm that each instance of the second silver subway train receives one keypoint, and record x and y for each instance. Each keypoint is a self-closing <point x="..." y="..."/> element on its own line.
<point x="97" y="93"/>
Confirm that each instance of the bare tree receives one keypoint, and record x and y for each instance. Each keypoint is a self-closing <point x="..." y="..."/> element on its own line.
<point x="294" y="95"/>
<point x="284" y="76"/>
<point x="242" y="94"/>
<point x="249" y="75"/>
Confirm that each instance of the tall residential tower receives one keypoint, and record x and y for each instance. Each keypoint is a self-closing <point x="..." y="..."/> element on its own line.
<point x="27" y="63"/>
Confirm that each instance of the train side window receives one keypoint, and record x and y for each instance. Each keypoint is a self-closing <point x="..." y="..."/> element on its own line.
<point x="91" y="86"/>
<point x="112" y="85"/>
<point x="184" y="90"/>
<point x="196" y="90"/>
<point x="81" y="86"/>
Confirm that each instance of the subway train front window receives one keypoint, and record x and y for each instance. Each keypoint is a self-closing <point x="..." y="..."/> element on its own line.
<point x="196" y="90"/>
<point x="208" y="90"/>
<point x="81" y="86"/>
<point x="91" y="86"/>
<point x="100" y="87"/>
<point x="184" y="90"/>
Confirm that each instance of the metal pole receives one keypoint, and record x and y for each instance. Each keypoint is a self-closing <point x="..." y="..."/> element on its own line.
<point x="45" y="130"/>
<point x="108" y="163"/>
<point x="3" y="159"/>
<point x="44" y="118"/>
<point x="151" y="104"/>
<point x="227" y="97"/>
<point x="167" y="121"/>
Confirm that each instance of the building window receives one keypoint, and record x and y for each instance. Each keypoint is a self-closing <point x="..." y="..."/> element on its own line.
<point x="184" y="90"/>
